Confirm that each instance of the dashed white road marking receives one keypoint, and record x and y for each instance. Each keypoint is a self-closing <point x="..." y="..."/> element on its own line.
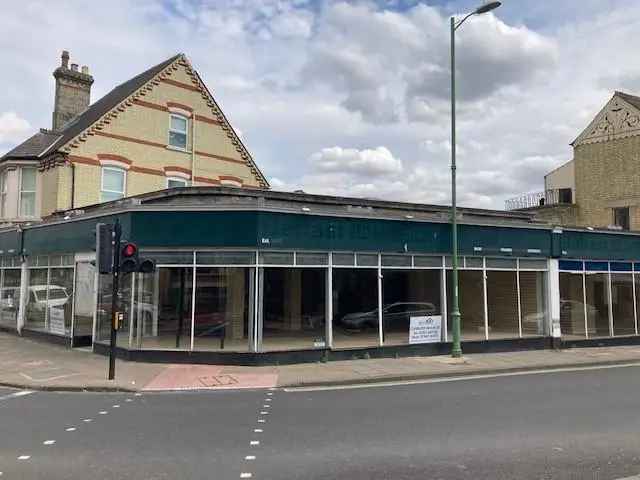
<point x="87" y="420"/>
<point x="268" y="399"/>
<point x="103" y="412"/>
<point x="48" y="442"/>
<point x="257" y="430"/>
<point x="264" y="413"/>
<point x="250" y="457"/>
<point x="128" y="400"/>
<point x="245" y="475"/>
<point x="70" y="429"/>
<point x="261" y="420"/>
<point x="24" y="457"/>
<point x="21" y="393"/>
<point x="254" y="442"/>
<point x="269" y="393"/>
<point x="137" y="394"/>
<point x="116" y="406"/>
<point x="266" y="405"/>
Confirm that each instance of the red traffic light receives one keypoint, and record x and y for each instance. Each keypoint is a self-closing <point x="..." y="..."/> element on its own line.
<point x="129" y="250"/>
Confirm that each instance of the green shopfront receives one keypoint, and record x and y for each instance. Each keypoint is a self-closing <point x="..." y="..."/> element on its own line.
<point x="265" y="277"/>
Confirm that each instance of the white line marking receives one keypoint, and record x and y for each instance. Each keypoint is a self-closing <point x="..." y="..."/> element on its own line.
<point x="245" y="475"/>
<point x="128" y="400"/>
<point x="70" y="429"/>
<point x="137" y="394"/>
<point x="264" y="413"/>
<point x="269" y="393"/>
<point x="268" y="399"/>
<point x="261" y="420"/>
<point x="21" y="393"/>
<point x="103" y="412"/>
<point x="116" y="406"/>
<point x="257" y="430"/>
<point x="87" y="420"/>
<point x="250" y="457"/>
<point x="48" y="442"/>
<point x="24" y="457"/>
<point x="254" y="442"/>
<point x="266" y="406"/>
<point x="272" y="389"/>
<point x="458" y="379"/>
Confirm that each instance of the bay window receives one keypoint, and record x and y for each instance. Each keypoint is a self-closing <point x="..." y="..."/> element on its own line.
<point x="27" y="192"/>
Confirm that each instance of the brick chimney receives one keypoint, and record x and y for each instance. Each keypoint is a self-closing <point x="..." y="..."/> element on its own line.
<point x="73" y="92"/>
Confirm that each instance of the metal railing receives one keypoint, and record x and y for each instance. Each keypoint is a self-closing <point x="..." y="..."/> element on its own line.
<point x="554" y="196"/>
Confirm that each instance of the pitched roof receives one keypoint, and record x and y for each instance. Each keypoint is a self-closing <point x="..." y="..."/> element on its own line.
<point x="46" y="141"/>
<point x="33" y="146"/>
<point x="632" y="99"/>
<point x="109" y="101"/>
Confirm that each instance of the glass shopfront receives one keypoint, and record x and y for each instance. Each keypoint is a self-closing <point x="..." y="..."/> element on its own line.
<point x="10" y="277"/>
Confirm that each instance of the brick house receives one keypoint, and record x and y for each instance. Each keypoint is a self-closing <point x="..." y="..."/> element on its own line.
<point x="600" y="186"/>
<point x="160" y="129"/>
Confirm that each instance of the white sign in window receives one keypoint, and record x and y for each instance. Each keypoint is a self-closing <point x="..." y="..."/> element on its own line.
<point x="426" y="329"/>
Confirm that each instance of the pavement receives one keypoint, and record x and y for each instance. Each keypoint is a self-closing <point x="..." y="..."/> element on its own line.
<point x="32" y="364"/>
<point x="562" y="425"/>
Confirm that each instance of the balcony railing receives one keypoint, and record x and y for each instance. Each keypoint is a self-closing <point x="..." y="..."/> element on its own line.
<point x="556" y="196"/>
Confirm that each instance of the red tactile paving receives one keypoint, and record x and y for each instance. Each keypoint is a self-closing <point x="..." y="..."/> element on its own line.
<point x="208" y="377"/>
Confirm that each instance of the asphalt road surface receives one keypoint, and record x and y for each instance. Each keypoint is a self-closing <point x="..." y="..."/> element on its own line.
<point x="570" y="425"/>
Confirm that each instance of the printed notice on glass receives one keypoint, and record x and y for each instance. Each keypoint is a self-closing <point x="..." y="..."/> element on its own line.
<point x="56" y="320"/>
<point x="425" y="329"/>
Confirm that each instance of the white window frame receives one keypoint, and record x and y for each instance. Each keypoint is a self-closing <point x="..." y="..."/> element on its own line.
<point x="3" y="193"/>
<point x="21" y="192"/>
<point x="183" y="181"/>
<point x="124" y="182"/>
<point x="173" y="130"/>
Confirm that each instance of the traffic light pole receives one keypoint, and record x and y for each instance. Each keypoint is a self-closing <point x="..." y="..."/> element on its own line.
<point x="115" y="284"/>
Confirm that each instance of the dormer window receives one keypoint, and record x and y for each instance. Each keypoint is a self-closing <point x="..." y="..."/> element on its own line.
<point x="178" y="131"/>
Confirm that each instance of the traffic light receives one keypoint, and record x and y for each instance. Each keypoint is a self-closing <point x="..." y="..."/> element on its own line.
<point x="104" y="247"/>
<point x="128" y="257"/>
<point x="131" y="262"/>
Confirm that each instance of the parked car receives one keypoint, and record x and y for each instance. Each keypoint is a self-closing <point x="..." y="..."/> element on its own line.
<point x="394" y="316"/>
<point x="37" y="299"/>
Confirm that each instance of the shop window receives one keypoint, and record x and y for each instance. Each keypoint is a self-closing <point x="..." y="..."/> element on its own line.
<point x="621" y="217"/>
<point x="161" y="309"/>
<point x="597" y="304"/>
<point x="36" y="301"/>
<point x="113" y="183"/>
<point x="84" y="299"/>
<point x="178" y="131"/>
<point x="355" y="307"/>
<point x="622" y="304"/>
<point x="408" y="294"/>
<point x="60" y="301"/>
<point x="533" y="303"/>
<point x="223" y="306"/>
<point x="294" y="308"/>
<point x="572" y="306"/>
<point x="103" y="310"/>
<point x="502" y="304"/>
<point x="10" y="297"/>
<point x="471" y="302"/>
<point x="27" y="192"/>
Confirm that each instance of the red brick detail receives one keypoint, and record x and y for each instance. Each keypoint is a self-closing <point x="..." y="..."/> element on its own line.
<point x="177" y="169"/>
<point x="232" y="178"/>
<point x="212" y="181"/>
<point x="131" y="139"/>
<point x="150" y="171"/>
<point x="116" y="158"/>
<point x="175" y="83"/>
<point x="220" y="157"/>
<point x="179" y="105"/>
<point x="84" y="160"/>
<point x="154" y="106"/>
<point x="212" y="121"/>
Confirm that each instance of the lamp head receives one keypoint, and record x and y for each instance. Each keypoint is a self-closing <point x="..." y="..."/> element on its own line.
<point x="487" y="7"/>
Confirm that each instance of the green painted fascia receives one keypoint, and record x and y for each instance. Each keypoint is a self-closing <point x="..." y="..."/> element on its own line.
<point x="599" y="246"/>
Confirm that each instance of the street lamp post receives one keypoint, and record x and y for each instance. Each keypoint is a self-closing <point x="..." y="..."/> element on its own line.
<point x="456" y="349"/>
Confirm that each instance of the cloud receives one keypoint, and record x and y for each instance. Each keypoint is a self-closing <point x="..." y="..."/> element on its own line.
<point x="12" y="127"/>
<point x="369" y="162"/>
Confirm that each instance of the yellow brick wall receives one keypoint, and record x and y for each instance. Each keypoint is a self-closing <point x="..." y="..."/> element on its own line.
<point x="147" y="125"/>
<point x="606" y="177"/>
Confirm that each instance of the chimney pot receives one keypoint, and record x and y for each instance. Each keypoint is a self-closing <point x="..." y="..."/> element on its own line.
<point x="65" y="59"/>
<point x="74" y="67"/>
<point x="85" y="70"/>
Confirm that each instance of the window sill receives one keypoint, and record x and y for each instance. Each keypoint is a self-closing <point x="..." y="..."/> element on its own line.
<point x="178" y="149"/>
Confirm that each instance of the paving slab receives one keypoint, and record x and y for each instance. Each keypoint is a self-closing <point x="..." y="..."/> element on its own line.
<point x="33" y="364"/>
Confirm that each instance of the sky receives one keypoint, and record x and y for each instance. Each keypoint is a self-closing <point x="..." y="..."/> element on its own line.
<point x="351" y="97"/>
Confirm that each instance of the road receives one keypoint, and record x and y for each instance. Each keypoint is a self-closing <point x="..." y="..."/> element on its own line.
<point x="570" y="425"/>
